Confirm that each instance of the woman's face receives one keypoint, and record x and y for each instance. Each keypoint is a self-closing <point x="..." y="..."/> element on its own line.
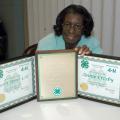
<point x="72" y="28"/>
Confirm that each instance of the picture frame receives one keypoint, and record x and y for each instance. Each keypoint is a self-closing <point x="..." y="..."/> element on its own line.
<point x="17" y="81"/>
<point x="98" y="78"/>
<point x="57" y="75"/>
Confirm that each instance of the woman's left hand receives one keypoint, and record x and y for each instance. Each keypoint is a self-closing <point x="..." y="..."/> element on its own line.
<point x="84" y="50"/>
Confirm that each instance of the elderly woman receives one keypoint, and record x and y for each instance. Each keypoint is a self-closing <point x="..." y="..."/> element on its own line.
<point x="73" y="28"/>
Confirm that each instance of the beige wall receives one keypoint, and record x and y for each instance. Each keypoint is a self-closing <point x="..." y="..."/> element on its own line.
<point x="106" y="14"/>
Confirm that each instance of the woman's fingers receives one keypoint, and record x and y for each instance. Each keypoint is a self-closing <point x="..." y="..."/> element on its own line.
<point x="84" y="50"/>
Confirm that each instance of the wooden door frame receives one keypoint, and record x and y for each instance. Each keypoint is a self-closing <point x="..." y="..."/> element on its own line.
<point x="26" y="42"/>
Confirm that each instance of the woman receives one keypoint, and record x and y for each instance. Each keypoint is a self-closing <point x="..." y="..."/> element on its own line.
<point x="73" y="28"/>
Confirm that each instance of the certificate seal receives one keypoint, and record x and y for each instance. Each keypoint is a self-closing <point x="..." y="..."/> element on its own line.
<point x="2" y="97"/>
<point x="84" y="86"/>
<point x="57" y="91"/>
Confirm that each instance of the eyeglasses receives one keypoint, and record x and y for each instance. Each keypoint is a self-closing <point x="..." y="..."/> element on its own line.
<point x="76" y="27"/>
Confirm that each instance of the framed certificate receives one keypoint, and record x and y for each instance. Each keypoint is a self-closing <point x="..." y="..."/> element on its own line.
<point x="56" y="77"/>
<point x="99" y="78"/>
<point x="17" y="82"/>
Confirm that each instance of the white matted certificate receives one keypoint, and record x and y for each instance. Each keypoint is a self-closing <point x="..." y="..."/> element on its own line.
<point x="99" y="78"/>
<point x="17" y="82"/>
<point x="56" y="77"/>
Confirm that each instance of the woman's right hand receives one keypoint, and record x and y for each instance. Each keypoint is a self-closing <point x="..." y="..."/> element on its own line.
<point x="84" y="50"/>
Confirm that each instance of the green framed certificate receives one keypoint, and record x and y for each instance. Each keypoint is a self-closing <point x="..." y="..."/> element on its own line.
<point x="99" y="78"/>
<point x="56" y="77"/>
<point x="17" y="82"/>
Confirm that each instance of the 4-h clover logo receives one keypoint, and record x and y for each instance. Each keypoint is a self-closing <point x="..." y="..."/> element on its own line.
<point x="84" y="63"/>
<point x="1" y="73"/>
<point x="57" y="91"/>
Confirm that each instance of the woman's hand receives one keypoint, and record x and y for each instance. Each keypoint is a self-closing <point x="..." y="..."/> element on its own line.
<point x="84" y="50"/>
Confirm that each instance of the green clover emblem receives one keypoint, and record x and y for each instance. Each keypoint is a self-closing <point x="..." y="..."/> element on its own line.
<point x="84" y="63"/>
<point x="57" y="91"/>
<point x="1" y="73"/>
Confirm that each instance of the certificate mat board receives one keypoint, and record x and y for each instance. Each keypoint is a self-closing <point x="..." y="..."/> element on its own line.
<point x="56" y="75"/>
<point x="17" y="82"/>
<point x="99" y="78"/>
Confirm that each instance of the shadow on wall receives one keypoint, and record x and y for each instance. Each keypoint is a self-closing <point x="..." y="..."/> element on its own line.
<point x="3" y="42"/>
